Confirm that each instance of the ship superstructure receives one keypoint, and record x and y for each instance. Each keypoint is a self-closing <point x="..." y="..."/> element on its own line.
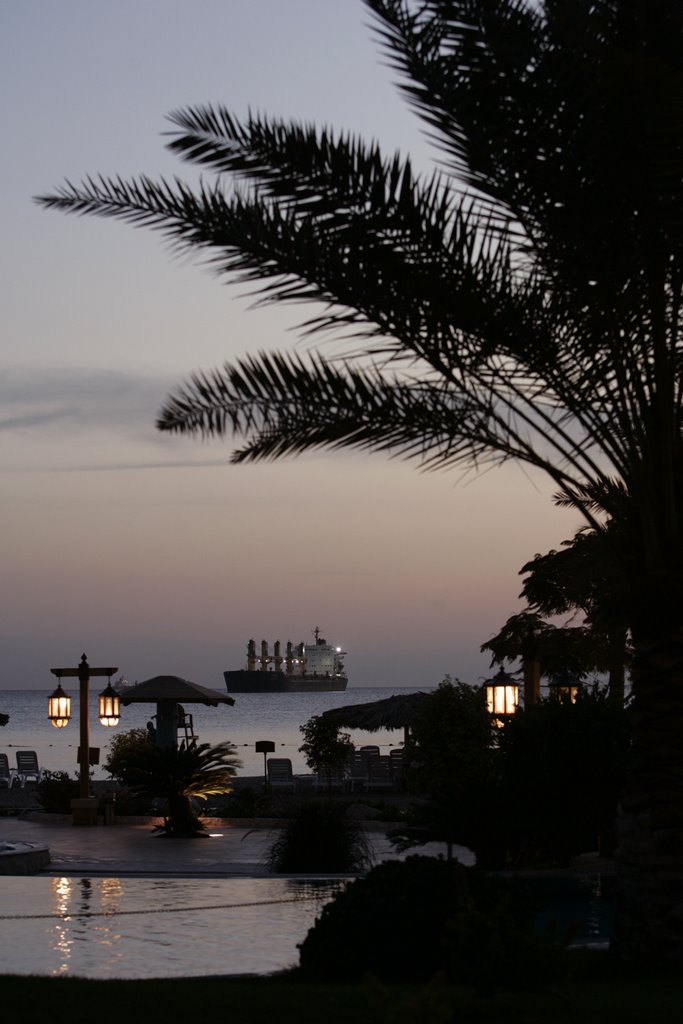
<point x="315" y="667"/>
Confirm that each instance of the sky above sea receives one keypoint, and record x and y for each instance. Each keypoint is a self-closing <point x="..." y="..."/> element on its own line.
<point x="148" y="551"/>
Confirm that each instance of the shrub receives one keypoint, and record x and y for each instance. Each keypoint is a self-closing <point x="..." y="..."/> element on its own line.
<point x="326" y="749"/>
<point x="406" y="921"/>
<point x="124" y="749"/>
<point x="319" y="837"/>
<point x="56" y="790"/>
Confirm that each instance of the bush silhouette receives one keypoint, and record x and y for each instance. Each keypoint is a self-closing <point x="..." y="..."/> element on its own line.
<point x="406" y="921"/>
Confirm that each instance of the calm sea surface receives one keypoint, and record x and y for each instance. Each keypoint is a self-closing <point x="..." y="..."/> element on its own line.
<point x="255" y="716"/>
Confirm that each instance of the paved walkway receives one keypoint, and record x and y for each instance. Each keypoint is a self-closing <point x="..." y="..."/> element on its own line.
<point x="232" y="850"/>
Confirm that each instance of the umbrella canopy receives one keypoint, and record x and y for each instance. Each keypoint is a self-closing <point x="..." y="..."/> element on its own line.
<point x="170" y="693"/>
<point x="397" y="712"/>
<point x="175" y="690"/>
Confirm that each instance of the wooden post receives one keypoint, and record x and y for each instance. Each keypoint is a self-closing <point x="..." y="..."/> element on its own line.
<point x="532" y="670"/>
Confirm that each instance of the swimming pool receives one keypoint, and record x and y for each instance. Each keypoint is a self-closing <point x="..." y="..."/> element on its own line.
<point x="155" y="928"/>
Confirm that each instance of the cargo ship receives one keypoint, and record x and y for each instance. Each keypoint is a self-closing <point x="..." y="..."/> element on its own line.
<point x="304" y="668"/>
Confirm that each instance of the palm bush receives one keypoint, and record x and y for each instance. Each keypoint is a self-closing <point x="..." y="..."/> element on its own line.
<point x="179" y="775"/>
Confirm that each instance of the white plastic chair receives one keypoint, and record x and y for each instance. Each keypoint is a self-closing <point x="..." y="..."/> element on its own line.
<point x="6" y="773"/>
<point x="280" y="775"/>
<point x="27" y="767"/>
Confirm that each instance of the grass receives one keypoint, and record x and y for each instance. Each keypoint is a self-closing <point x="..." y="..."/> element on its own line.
<point x="598" y="992"/>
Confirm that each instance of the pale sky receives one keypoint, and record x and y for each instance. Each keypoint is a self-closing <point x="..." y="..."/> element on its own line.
<point x="147" y="551"/>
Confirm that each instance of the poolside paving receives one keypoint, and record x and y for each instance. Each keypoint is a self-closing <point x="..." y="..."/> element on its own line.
<point x="134" y="849"/>
<point x="235" y="848"/>
<point x="232" y="850"/>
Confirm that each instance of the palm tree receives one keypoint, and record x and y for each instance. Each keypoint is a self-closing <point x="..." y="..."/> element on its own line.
<point x="523" y="303"/>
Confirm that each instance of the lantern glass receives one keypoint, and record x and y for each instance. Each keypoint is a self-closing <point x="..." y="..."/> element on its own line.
<point x="502" y="695"/>
<point x="59" y="708"/>
<point x="565" y="688"/>
<point x="109" y="704"/>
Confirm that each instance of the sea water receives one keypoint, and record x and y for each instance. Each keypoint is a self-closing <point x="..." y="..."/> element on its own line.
<point x="254" y="716"/>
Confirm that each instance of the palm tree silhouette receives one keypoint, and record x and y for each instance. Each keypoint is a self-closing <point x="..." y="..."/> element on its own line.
<point x="524" y="303"/>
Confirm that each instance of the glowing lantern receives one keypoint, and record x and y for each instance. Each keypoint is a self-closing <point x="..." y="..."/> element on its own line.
<point x="502" y="695"/>
<point x="59" y="708"/>
<point x="109" y="704"/>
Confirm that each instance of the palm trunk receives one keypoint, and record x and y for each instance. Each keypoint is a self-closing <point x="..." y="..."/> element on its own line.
<point x="617" y="671"/>
<point x="649" y="924"/>
<point x="181" y="817"/>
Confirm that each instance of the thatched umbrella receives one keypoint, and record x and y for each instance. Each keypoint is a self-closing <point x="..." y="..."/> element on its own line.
<point x="168" y="692"/>
<point x="397" y="712"/>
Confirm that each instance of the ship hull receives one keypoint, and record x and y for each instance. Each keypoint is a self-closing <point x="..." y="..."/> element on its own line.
<point x="242" y="681"/>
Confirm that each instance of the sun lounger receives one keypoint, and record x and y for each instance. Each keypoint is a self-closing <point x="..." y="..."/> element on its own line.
<point x="27" y="767"/>
<point x="396" y="763"/>
<point x="358" y="771"/>
<point x="379" y="774"/>
<point x="6" y="774"/>
<point x="280" y="775"/>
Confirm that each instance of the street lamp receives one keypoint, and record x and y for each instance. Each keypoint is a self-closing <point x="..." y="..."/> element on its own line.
<point x="264" y="747"/>
<point x="502" y="695"/>
<point x="59" y="712"/>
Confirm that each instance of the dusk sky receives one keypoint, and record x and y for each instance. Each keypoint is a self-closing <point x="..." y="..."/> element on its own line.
<point x="150" y="552"/>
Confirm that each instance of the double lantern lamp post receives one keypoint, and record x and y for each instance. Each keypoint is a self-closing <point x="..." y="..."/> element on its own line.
<point x="59" y="711"/>
<point x="502" y="691"/>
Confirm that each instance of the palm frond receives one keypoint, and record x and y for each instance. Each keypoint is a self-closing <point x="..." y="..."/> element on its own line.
<point x="537" y="291"/>
<point x="286" y="405"/>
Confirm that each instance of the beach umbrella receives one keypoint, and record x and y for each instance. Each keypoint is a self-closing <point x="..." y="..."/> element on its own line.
<point x="397" y="712"/>
<point x="170" y="694"/>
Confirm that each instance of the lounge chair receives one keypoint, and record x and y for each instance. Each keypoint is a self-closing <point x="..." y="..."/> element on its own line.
<point x="370" y="751"/>
<point x="379" y="774"/>
<point x="396" y="763"/>
<point x="6" y="774"/>
<point x="358" y="771"/>
<point x="280" y="775"/>
<point x="27" y="767"/>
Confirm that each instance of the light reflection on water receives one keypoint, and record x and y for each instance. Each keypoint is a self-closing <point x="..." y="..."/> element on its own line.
<point x="154" y="928"/>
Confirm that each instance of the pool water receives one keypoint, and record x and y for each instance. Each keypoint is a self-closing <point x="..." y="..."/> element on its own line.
<point x="581" y="907"/>
<point x="155" y="928"/>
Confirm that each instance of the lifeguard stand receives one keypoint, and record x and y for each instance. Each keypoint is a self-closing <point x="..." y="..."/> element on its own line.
<point x="186" y="727"/>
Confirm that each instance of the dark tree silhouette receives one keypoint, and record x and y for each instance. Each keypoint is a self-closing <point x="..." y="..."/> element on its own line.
<point x="524" y="303"/>
<point x="560" y="650"/>
<point x="585" y="576"/>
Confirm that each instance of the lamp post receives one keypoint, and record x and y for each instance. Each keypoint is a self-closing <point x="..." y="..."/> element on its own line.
<point x="264" y="747"/>
<point x="532" y="669"/>
<point x="59" y="712"/>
